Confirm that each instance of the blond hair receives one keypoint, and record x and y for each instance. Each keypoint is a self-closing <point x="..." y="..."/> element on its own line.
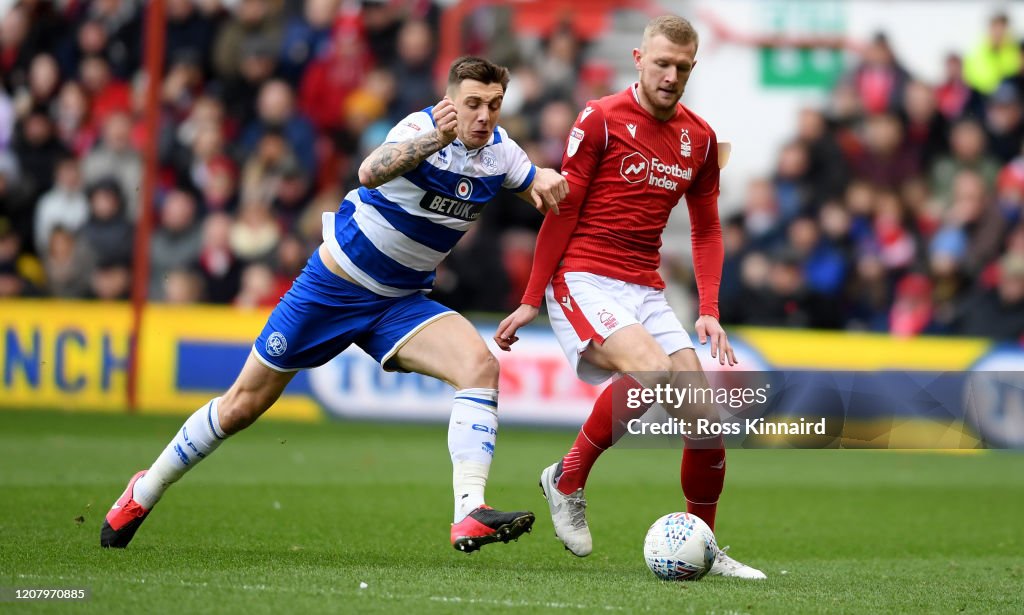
<point x="676" y="29"/>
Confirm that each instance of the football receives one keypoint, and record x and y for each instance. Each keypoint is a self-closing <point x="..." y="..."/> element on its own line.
<point x="680" y="547"/>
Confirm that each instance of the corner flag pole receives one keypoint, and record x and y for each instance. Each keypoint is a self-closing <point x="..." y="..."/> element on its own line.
<point x="154" y="64"/>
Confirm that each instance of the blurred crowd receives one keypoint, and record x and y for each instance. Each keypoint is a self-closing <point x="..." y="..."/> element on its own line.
<point x="267" y="109"/>
<point x="895" y="208"/>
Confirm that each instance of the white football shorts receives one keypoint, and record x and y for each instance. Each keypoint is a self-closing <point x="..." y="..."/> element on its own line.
<point x="586" y="306"/>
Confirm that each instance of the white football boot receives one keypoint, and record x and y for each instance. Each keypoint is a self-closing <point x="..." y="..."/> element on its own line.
<point x="726" y="566"/>
<point x="568" y="513"/>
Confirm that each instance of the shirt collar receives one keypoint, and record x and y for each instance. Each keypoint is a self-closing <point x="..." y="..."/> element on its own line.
<point x="635" y="90"/>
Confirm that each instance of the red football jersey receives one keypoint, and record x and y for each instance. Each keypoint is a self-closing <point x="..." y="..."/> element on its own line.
<point x="635" y="169"/>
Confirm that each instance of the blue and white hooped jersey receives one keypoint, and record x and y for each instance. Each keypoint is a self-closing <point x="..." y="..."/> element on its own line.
<point x="390" y="239"/>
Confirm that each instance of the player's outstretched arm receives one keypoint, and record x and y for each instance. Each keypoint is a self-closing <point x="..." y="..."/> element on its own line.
<point x="546" y="191"/>
<point x="393" y="159"/>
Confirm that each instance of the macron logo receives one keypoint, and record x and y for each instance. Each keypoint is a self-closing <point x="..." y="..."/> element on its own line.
<point x="586" y="112"/>
<point x="567" y="302"/>
<point x="632" y="130"/>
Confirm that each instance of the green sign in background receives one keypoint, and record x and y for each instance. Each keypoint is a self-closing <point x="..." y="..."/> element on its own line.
<point x="802" y="67"/>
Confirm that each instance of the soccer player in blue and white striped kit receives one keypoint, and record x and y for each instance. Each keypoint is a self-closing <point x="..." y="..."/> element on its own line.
<point x="367" y="284"/>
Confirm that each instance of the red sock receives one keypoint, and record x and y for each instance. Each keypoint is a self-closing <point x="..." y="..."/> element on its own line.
<point x="598" y="433"/>
<point x="702" y="475"/>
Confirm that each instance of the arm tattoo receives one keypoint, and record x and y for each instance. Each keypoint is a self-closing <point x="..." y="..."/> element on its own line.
<point x="393" y="159"/>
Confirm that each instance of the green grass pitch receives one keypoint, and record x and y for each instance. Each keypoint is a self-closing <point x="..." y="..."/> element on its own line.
<point x="293" y="517"/>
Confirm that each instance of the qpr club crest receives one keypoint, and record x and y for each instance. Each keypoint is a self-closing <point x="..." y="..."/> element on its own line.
<point x="464" y="189"/>
<point x="277" y="344"/>
<point x="489" y="162"/>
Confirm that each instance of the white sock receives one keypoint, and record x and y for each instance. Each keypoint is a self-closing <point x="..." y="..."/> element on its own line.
<point x="471" y="434"/>
<point x="198" y="437"/>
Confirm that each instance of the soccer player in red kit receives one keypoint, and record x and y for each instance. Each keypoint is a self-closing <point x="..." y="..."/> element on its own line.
<point x="629" y="160"/>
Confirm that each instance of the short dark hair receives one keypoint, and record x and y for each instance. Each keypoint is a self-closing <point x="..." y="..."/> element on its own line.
<point x="477" y="69"/>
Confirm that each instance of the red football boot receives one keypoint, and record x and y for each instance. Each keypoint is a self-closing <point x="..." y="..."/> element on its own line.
<point x="485" y="525"/>
<point x="124" y="518"/>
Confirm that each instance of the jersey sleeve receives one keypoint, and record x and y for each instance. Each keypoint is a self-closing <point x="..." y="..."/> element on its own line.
<point x="553" y="238"/>
<point x="707" y="183"/>
<point x="587" y="142"/>
<point x="706" y="230"/>
<point x="414" y="125"/>
<point x="519" y="171"/>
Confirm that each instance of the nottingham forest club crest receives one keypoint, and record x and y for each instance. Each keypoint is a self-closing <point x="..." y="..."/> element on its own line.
<point x="684" y="143"/>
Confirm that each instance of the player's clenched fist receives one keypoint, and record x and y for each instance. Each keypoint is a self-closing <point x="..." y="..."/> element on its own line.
<point x="445" y="119"/>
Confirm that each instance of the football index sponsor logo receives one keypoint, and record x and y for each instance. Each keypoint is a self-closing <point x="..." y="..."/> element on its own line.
<point x="635" y="169"/>
<point x="666" y="172"/>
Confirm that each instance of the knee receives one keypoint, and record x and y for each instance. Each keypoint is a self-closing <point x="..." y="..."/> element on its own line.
<point x="479" y="369"/>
